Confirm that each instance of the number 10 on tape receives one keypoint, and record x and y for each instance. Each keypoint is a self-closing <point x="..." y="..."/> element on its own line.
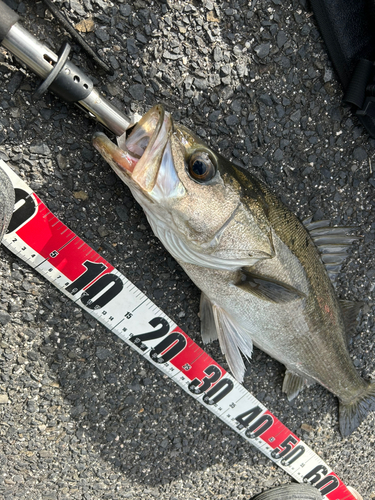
<point x="36" y="236"/>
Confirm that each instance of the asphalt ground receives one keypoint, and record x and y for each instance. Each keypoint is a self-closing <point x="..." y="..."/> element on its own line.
<point x="81" y="415"/>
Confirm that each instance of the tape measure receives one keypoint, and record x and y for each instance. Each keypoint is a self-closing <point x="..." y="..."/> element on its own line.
<point x="39" y="238"/>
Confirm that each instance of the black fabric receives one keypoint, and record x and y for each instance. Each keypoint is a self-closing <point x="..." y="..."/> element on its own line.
<point x="348" y="29"/>
<point x="7" y="18"/>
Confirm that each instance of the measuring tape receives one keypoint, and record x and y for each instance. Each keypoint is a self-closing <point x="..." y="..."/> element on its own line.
<point x="39" y="238"/>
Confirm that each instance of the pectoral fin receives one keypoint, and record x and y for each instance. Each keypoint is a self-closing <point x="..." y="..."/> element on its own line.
<point x="267" y="288"/>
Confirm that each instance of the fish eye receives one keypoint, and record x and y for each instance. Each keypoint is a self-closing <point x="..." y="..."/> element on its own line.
<point x="202" y="167"/>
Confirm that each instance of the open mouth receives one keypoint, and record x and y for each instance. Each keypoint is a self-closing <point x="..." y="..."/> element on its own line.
<point x="138" y="155"/>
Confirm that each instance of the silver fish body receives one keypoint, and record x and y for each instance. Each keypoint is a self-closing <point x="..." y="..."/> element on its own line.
<point x="295" y="491"/>
<point x="261" y="274"/>
<point x="290" y="492"/>
<point x="6" y="202"/>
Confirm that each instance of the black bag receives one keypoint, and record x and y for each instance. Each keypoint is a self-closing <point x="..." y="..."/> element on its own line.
<point x="348" y="29"/>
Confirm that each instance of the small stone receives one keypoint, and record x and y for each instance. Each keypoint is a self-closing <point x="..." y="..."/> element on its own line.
<point x="4" y="318"/>
<point x="214" y="80"/>
<point x="211" y="18"/>
<point x="75" y="6"/>
<point x="263" y="50"/>
<point x="15" y="82"/>
<point x="61" y="161"/>
<point x="125" y="10"/>
<point x="280" y="110"/>
<point x="237" y="50"/>
<point x="218" y="54"/>
<point x="281" y="39"/>
<point x="258" y="161"/>
<point x="200" y="83"/>
<point x="327" y="75"/>
<point x="278" y="155"/>
<point x="266" y="99"/>
<point x="131" y="46"/>
<point x="213" y="117"/>
<point x="86" y="25"/>
<point x="102" y="35"/>
<point x="307" y="427"/>
<point x="3" y="399"/>
<point x="296" y="116"/>
<point x="237" y="106"/>
<point x="137" y="91"/>
<point x="28" y="317"/>
<point x="40" y="149"/>
<point x="231" y="120"/>
<point x="102" y="230"/>
<point x="141" y="38"/>
<point x="241" y="70"/>
<point x="122" y="213"/>
<point x="360" y="154"/>
<point x="103" y="353"/>
<point x="81" y="195"/>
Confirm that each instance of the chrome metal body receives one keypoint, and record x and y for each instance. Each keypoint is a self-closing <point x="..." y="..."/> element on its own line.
<point x="40" y="59"/>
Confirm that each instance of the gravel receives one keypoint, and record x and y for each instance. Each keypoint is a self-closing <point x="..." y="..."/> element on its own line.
<point x="81" y="415"/>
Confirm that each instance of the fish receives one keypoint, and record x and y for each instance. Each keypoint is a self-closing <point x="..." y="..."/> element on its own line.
<point x="7" y="198"/>
<point x="296" y="491"/>
<point x="266" y="278"/>
<point x="291" y="491"/>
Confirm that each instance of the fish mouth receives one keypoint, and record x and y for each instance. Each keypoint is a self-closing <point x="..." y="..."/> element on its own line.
<point x="143" y="158"/>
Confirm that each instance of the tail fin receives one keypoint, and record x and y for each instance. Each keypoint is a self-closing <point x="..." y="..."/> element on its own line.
<point x="352" y="414"/>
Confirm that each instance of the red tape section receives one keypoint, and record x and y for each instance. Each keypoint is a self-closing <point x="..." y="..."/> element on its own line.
<point x="44" y="242"/>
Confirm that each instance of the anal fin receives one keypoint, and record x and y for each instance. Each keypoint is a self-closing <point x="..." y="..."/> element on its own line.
<point x="233" y="340"/>
<point x="293" y="384"/>
<point x="208" y="326"/>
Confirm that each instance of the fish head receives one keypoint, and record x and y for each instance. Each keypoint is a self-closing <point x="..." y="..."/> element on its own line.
<point x="199" y="205"/>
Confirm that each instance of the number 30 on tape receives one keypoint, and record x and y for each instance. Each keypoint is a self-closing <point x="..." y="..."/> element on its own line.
<point x="36" y="236"/>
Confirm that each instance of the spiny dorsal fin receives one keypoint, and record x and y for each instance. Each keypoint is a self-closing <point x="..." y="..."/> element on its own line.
<point x="332" y="242"/>
<point x="233" y="340"/>
<point x="350" y="312"/>
<point x="208" y="326"/>
<point x="267" y="288"/>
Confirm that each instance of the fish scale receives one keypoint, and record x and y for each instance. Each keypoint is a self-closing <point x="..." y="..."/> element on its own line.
<point x="102" y="291"/>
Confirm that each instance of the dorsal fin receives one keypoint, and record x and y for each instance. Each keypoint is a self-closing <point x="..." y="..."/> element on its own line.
<point x="332" y="242"/>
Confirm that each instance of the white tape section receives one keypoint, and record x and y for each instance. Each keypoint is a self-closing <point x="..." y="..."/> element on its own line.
<point x="36" y="236"/>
